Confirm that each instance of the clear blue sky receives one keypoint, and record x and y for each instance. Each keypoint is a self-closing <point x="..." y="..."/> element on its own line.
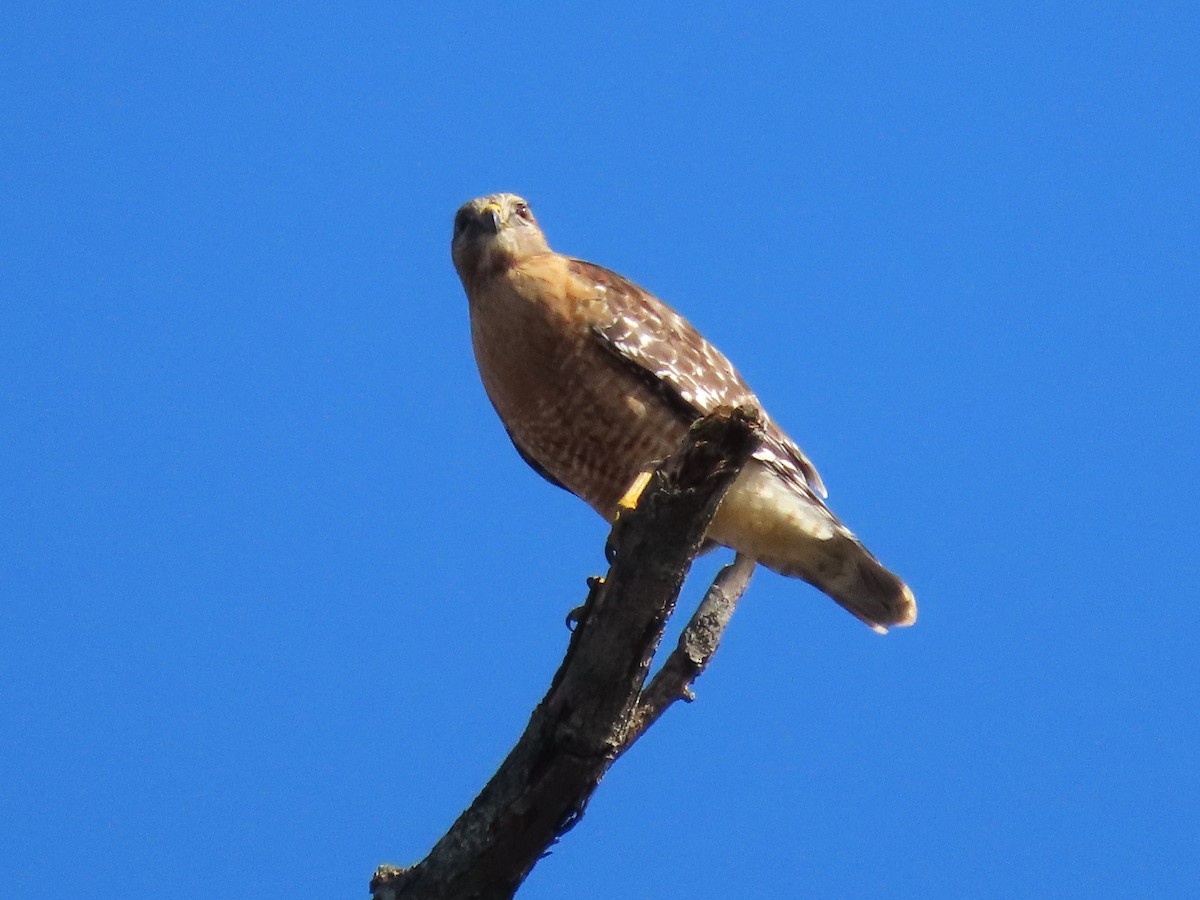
<point x="276" y="594"/>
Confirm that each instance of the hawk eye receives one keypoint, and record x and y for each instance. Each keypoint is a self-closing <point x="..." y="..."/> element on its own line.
<point x="521" y="210"/>
<point x="460" y="222"/>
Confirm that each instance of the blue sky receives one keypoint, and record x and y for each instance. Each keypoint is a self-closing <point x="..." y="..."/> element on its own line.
<point x="276" y="595"/>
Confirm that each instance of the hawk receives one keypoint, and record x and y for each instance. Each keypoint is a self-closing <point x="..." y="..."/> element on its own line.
<point x="596" y="379"/>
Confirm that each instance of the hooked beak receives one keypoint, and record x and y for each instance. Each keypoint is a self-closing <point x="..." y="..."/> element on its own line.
<point x="490" y="216"/>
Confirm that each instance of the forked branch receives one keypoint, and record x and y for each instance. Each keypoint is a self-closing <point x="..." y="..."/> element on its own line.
<point x="596" y="706"/>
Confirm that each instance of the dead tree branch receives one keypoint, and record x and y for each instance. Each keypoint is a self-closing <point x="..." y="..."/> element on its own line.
<point x="696" y="647"/>
<point x="595" y="707"/>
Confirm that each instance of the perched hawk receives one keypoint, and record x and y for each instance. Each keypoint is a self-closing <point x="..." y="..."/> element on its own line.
<point x="596" y="380"/>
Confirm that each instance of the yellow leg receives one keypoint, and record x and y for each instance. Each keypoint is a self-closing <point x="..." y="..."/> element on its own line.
<point x="630" y="501"/>
<point x="634" y="494"/>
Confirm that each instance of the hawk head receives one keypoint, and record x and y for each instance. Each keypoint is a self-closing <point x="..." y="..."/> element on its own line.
<point x="493" y="231"/>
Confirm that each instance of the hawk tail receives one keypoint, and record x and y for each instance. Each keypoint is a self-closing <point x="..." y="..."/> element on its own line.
<point x="845" y="570"/>
<point x="795" y="534"/>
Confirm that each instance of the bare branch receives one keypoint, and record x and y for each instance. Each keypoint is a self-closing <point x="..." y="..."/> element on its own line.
<point x="587" y="717"/>
<point x="697" y="644"/>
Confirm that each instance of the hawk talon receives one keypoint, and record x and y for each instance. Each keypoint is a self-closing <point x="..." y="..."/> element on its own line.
<point x="610" y="548"/>
<point x="578" y="615"/>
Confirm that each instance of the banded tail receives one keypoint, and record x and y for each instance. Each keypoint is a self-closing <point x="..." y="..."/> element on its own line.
<point x="763" y="517"/>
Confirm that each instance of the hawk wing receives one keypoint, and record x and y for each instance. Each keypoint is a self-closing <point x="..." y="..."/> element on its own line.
<point x="691" y="375"/>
